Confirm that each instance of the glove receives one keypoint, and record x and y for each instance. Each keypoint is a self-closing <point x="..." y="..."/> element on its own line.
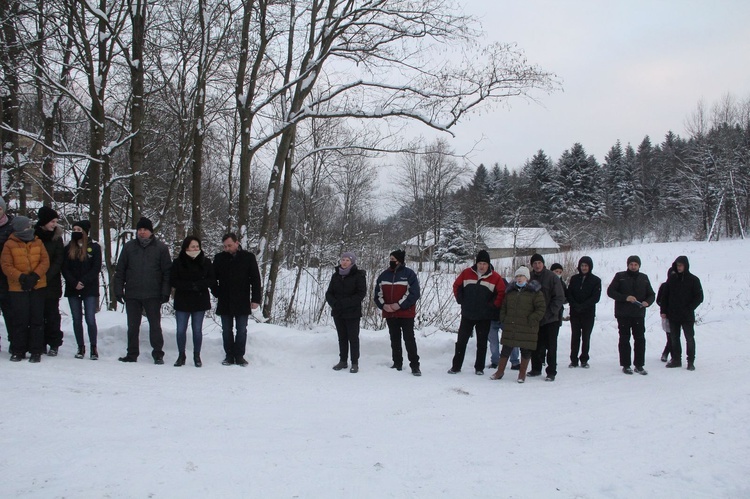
<point x="164" y="298"/>
<point x="120" y="298"/>
<point x="33" y="279"/>
<point x="22" y="279"/>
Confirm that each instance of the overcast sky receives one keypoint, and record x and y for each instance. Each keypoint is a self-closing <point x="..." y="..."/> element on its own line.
<point x="628" y="68"/>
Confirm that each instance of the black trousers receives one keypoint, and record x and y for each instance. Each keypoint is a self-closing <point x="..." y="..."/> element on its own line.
<point x="27" y="327"/>
<point x="348" y="332"/>
<point x="635" y="326"/>
<point x="53" y="335"/>
<point x="675" y="340"/>
<point x="546" y="345"/>
<point x="580" y="336"/>
<point x="7" y="313"/>
<point x="397" y="327"/>
<point x="465" y="330"/>
<point x="134" y="309"/>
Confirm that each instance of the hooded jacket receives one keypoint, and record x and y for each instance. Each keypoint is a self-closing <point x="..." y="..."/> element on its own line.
<point x="627" y="283"/>
<point x="53" y="243"/>
<point x="397" y="286"/>
<point x="682" y="294"/>
<point x="584" y="291"/>
<point x="521" y="311"/>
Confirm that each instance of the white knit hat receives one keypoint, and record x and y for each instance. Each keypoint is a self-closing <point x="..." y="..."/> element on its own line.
<point x="523" y="271"/>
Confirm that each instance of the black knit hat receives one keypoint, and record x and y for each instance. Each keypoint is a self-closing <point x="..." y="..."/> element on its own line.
<point x="556" y="266"/>
<point x="483" y="256"/>
<point x="46" y="215"/>
<point x="145" y="223"/>
<point x="536" y="257"/>
<point x="634" y="258"/>
<point x="84" y="224"/>
<point x="399" y="255"/>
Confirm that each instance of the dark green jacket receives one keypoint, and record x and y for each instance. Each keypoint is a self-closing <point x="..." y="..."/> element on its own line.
<point x="520" y="314"/>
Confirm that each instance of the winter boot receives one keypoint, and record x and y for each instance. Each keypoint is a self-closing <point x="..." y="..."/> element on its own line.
<point x="354" y="369"/>
<point x="522" y="370"/>
<point x="674" y="363"/>
<point x="94" y="354"/>
<point x="691" y="365"/>
<point x="341" y="365"/>
<point x="197" y="360"/>
<point x="180" y="360"/>
<point x="81" y="352"/>
<point x="52" y="352"/>
<point x="500" y="368"/>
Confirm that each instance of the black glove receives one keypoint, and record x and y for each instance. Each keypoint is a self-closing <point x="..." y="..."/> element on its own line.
<point x="33" y="278"/>
<point x="120" y="298"/>
<point x="164" y="298"/>
<point x="22" y="281"/>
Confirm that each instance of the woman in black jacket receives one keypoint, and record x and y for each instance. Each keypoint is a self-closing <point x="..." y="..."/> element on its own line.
<point x="345" y="293"/>
<point x="191" y="277"/>
<point x="81" y="266"/>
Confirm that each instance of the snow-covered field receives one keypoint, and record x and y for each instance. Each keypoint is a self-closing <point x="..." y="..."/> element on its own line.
<point x="289" y="426"/>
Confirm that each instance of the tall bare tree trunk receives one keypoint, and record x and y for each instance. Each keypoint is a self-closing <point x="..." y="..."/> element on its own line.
<point x="138" y="11"/>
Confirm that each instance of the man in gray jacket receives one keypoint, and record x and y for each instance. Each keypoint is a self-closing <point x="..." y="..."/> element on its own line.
<point x="142" y="284"/>
<point x="549" y="326"/>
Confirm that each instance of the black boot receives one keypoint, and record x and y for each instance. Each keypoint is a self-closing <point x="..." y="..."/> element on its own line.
<point x="180" y="360"/>
<point x="197" y="360"/>
<point x="81" y="352"/>
<point x="94" y="354"/>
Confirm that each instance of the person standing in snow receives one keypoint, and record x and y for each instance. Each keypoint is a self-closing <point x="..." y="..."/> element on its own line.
<point x="664" y="321"/>
<point x="549" y="326"/>
<point x="81" y="267"/>
<point x="480" y="291"/>
<point x="239" y="292"/>
<point x="396" y="294"/>
<point x="6" y="228"/>
<point x="584" y="292"/>
<point x="632" y="292"/>
<point x="683" y="295"/>
<point x="142" y="285"/>
<point x="52" y="236"/>
<point x="520" y="313"/>
<point x="25" y="262"/>
<point x="192" y="276"/>
<point x="347" y="289"/>
<point x="494" y="338"/>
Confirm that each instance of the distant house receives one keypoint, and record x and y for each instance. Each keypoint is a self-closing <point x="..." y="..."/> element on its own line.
<point x="500" y="242"/>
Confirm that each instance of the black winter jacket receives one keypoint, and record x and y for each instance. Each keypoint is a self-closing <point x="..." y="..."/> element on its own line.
<point x="627" y="283"/>
<point x="237" y="282"/>
<point x="682" y="294"/>
<point x="191" y="280"/>
<point x="554" y="295"/>
<point x="85" y="272"/>
<point x="53" y="243"/>
<point x="143" y="272"/>
<point x="584" y="291"/>
<point x="346" y="292"/>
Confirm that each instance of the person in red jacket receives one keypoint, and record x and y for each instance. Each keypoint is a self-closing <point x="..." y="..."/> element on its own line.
<point x="480" y="292"/>
<point x="396" y="294"/>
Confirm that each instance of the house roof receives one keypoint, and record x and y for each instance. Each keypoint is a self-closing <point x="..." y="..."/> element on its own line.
<point x="525" y="237"/>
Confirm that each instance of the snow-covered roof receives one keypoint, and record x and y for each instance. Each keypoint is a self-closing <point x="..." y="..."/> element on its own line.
<point x="429" y="240"/>
<point x="525" y="237"/>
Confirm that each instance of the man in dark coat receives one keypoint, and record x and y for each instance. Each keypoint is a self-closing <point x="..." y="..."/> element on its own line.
<point x="682" y="296"/>
<point x="632" y="292"/>
<point x="6" y="228"/>
<point x="549" y="326"/>
<point x="347" y="289"/>
<point x="238" y="289"/>
<point x="480" y="292"/>
<point x="584" y="292"/>
<point x="396" y="294"/>
<point x="142" y="284"/>
<point x="52" y="236"/>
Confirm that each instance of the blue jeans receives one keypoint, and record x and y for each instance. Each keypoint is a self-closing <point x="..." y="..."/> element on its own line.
<point x="515" y="354"/>
<point x="234" y="345"/>
<point x="77" y="306"/>
<point x="196" y="321"/>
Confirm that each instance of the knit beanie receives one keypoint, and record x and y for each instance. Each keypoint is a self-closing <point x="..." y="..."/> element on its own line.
<point x="46" y="215"/>
<point x="20" y="224"/>
<point x="536" y="257"/>
<point x="399" y="255"/>
<point x="83" y="224"/>
<point x="556" y="266"/>
<point x="145" y="223"/>
<point x="524" y="271"/>
<point x="483" y="256"/>
<point x="634" y="258"/>
<point x="350" y="256"/>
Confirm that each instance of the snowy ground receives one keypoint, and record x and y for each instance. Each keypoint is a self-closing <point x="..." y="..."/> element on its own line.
<point x="289" y="426"/>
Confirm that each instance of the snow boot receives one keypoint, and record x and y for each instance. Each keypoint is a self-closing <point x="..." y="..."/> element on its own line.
<point x="522" y="370"/>
<point x="500" y="368"/>
<point x="180" y="360"/>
